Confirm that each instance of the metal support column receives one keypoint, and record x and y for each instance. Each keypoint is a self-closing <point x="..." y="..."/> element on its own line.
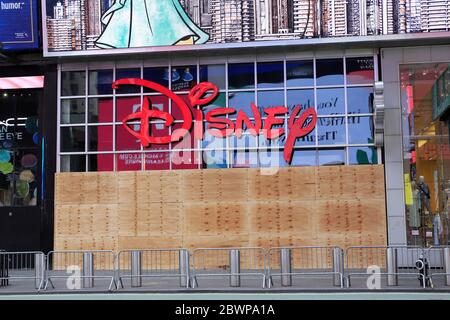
<point x="392" y="266"/>
<point x="88" y="270"/>
<point x="235" y="268"/>
<point x="136" y="269"/>
<point x="286" y="267"/>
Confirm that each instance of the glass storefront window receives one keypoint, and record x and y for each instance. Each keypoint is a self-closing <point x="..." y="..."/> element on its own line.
<point x="329" y="72"/>
<point x="360" y="100"/>
<point x="100" y="110"/>
<point x="128" y="73"/>
<point x="362" y="155"/>
<point x="73" y="139"/>
<point x="101" y="162"/>
<point x="73" y="83"/>
<point x="360" y="130"/>
<point x="241" y="76"/>
<point x="330" y="101"/>
<point x="339" y="89"/>
<point x="73" y="163"/>
<point x="158" y="75"/>
<point x="214" y="74"/>
<point x="304" y="158"/>
<point x="300" y="73"/>
<point x="332" y="157"/>
<point x="100" y="82"/>
<point x="184" y="78"/>
<point x="360" y="70"/>
<point x="270" y="74"/>
<point x="426" y="154"/>
<point x="100" y="138"/>
<point x="331" y="131"/>
<point x="73" y="111"/>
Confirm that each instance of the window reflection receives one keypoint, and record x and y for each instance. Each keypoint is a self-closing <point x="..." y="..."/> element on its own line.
<point x="73" y="163"/>
<point x="360" y="100"/>
<point x="73" y="111"/>
<point x="159" y="75"/>
<point x="270" y="74"/>
<point x="214" y="74"/>
<point x="100" y="82"/>
<point x="300" y="73"/>
<point x="362" y="155"/>
<point x="101" y="162"/>
<point x="331" y="157"/>
<point x="100" y="110"/>
<point x="241" y="76"/>
<point x="330" y="72"/>
<point x="360" y="70"/>
<point x="360" y="130"/>
<point x="241" y="101"/>
<point x="330" y="101"/>
<point x="331" y="131"/>
<point x="73" y="139"/>
<point x="73" y="83"/>
<point x="214" y="159"/>
<point x="128" y="73"/>
<point x="304" y="158"/>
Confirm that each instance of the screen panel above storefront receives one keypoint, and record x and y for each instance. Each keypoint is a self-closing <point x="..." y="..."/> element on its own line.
<point x="82" y="27"/>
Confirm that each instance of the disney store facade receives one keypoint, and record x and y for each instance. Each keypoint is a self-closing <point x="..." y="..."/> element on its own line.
<point x="338" y="141"/>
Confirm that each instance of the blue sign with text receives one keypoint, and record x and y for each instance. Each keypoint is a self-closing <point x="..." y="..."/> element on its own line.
<point x="18" y="24"/>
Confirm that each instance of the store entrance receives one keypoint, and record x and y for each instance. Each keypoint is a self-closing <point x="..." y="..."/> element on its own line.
<point x="426" y="152"/>
<point x="20" y="170"/>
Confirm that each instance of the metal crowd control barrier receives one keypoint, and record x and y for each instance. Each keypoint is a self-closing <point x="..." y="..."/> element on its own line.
<point x="306" y="262"/>
<point x="80" y="269"/>
<point x="438" y="258"/>
<point x="235" y="264"/>
<point x="3" y="270"/>
<point x="18" y="267"/>
<point x="389" y="263"/>
<point x="137" y="265"/>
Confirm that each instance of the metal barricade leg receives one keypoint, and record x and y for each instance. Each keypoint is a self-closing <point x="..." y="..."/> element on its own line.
<point x="338" y="267"/>
<point x="447" y="266"/>
<point x="136" y="269"/>
<point x="392" y="266"/>
<point x="286" y="267"/>
<point x="184" y="268"/>
<point x="235" y="268"/>
<point x="88" y="270"/>
<point x="39" y="269"/>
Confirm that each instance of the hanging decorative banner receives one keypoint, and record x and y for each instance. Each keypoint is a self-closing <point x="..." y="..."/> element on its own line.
<point x="302" y="121"/>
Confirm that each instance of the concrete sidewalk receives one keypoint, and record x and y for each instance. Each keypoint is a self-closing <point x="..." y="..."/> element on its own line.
<point x="240" y="296"/>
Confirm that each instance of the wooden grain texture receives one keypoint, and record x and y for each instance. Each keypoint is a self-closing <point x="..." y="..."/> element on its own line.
<point x="297" y="206"/>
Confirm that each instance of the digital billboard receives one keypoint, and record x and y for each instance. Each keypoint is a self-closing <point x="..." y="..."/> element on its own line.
<point x="78" y="26"/>
<point x="18" y="25"/>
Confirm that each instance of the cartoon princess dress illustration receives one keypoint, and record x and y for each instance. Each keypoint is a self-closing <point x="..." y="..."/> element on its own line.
<point x="142" y="23"/>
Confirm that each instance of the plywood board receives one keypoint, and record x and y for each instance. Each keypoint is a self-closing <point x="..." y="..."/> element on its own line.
<point x="319" y="206"/>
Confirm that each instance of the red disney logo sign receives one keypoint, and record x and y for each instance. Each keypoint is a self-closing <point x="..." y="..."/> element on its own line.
<point x="300" y="123"/>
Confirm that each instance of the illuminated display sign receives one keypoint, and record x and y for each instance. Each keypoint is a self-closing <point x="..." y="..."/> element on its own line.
<point x="302" y="121"/>
<point x="99" y="26"/>
<point x="18" y="25"/>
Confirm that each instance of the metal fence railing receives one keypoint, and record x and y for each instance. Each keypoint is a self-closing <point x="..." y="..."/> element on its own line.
<point x="22" y="270"/>
<point x="3" y="270"/>
<point x="170" y="265"/>
<point x="438" y="259"/>
<point x="300" y="268"/>
<point x="75" y="270"/>
<point x="229" y="267"/>
<point x="394" y="265"/>
<point x="311" y="264"/>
